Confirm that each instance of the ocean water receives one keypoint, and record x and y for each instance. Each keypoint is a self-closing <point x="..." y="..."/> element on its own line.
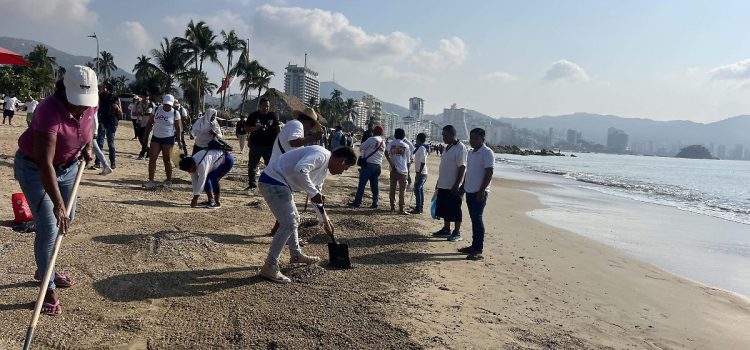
<point x="719" y="188"/>
<point x="689" y="217"/>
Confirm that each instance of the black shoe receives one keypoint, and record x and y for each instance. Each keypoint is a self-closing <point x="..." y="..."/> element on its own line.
<point x="455" y="237"/>
<point x="475" y="256"/>
<point x="251" y="187"/>
<point x="374" y="206"/>
<point x="352" y="205"/>
<point x="443" y="232"/>
<point x="214" y="205"/>
<point x="466" y="250"/>
<point x="415" y="211"/>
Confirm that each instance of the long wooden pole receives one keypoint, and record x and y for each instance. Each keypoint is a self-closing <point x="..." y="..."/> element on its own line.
<point x="51" y="266"/>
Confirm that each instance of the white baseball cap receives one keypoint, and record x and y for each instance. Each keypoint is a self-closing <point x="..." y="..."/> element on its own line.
<point x="81" y="86"/>
<point x="168" y="100"/>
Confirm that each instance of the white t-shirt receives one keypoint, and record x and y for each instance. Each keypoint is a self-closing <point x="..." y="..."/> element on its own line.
<point x="206" y="161"/>
<point x="399" y="152"/>
<point x="453" y="158"/>
<point x="291" y="131"/>
<point x="31" y="106"/>
<point x="10" y="103"/>
<point x="164" y="122"/>
<point x="131" y="108"/>
<point x="204" y="130"/>
<point x="370" y="145"/>
<point x="420" y="156"/>
<point x="302" y="169"/>
<point x="476" y="164"/>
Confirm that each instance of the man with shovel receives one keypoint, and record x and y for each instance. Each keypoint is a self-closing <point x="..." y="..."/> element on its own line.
<point x="302" y="169"/>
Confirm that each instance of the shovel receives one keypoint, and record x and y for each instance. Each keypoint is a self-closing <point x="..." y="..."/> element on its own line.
<point x="338" y="253"/>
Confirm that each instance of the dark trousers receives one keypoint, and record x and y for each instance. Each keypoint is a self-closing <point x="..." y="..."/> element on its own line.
<point x="135" y="128"/>
<point x="476" y="210"/>
<point x="110" y="134"/>
<point x="254" y="156"/>
<point x="370" y="172"/>
<point x="143" y="139"/>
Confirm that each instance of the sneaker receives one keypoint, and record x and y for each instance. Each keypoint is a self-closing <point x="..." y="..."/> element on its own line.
<point x="466" y="250"/>
<point x="168" y="184"/>
<point x="373" y="206"/>
<point x="443" y="232"/>
<point x="214" y="205"/>
<point x="112" y="166"/>
<point x="149" y="185"/>
<point x="475" y="256"/>
<point x="250" y="187"/>
<point x="273" y="274"/>
<point x="352" y="205"/>
<point x="106" y="171"/>
<point x="402" y="212"/>
<point x="94" y="167"/>
<point x="140" y="158"/>
<point x="415" y="211"/>
<point x="455" y="237"/>
<point x="204" y="203"/>
<point x="303" y="259"/>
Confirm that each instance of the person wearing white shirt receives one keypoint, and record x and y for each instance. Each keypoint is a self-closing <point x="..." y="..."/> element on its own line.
<point x="420" y="168"/>
<point x="292" y="135"/>
<point x="10" y="109"/>
<point x="480" y="167"/>
<point x="398" y="155"/>
<point x="30" y="107"/>
<point x="143" y="110"/>
<point x="448" y="193"/>
<point x="166" y="126"/>
<point x="370" y="157"/>
<point x="302" y="169"/>
<point x="133" y="116"/>
<point x="411" y="160"/>
<point x="206" y="169"/>
<point x="205" y="129"/>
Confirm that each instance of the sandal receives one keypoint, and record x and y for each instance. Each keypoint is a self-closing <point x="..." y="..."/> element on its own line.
<point x="52" y="309"/>
<point x="61" y="280"/>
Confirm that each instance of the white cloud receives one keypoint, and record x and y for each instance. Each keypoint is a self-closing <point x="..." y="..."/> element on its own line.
<point x="221" y="20"/>
<point x="565" y="70"/>
<point x="498" y="77"/>
<point x="55" y="11"/>
<point x="136" y="35"/>
<point x="390" y="73"/>
<point x="451" y="53"/>
<point x="735" y="71"/>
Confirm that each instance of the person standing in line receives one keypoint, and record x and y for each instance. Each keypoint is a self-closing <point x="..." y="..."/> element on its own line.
<point x="132" y="116"/>
<point x="185" y="123"/>
<point x="205" y="129"/>
<point x="9" y="110"/>
<point x="263" y="127"/>
<point x="110" y="111"/>
<point x="166" y="126"/>
<point x="480" y="167"/>
<point x="240" y="132"/>
<point x="371" y="158"/>
<point x="448" y="191"/>
<point x="302" y="169"/>
<point x="420" y="168"/>
<point x="106" y="169"/>
<point x="411" y="159"/>
<point x="30" y="107"/>
<point x="146" y="111"/>
<point x="207" y="168"/>
<point x="338" y="139"/>
<point x="398" y="155"/>
<point x="46" y="165"/>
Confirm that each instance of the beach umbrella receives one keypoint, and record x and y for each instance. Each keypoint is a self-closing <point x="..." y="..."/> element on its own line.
<point x="10" y="57"/>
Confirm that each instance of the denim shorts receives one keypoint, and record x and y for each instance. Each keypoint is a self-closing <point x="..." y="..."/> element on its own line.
<point x="163" y="140"/>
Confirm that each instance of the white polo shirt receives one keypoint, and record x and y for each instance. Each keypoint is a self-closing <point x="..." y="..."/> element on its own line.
<point x="477" y="162"/>
<point x="420" y="156"/>
<point x="291" y="131"/>
<point x="453" y="157"/>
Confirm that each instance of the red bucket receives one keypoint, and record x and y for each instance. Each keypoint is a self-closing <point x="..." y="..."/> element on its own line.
<point x="21" y="210"/>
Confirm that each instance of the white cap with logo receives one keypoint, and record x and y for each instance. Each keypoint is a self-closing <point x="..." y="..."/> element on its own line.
<point x="81" y="86"/>
<point x="168" y="100"/>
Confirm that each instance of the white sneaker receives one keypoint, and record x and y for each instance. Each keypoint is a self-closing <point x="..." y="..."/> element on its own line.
<point x="149" y="185"/>
<point x="273" y="274"/>
<point x="304" y="259"/>
<point x="106" y="171"/>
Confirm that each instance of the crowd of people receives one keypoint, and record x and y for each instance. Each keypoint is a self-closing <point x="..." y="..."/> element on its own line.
<point x="73" y="122"/>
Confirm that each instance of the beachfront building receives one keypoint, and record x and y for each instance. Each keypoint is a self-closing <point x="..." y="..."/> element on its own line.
<point x="457" y="117"/>
<point x="390" y="122"/>
<point x="435" y="132"/>
<point x="360" y="115"/>
<point x="617" y="140"/>
<point x="416" y="108"/>
<point x="374" y="109"/>
<point x="302" y="82"/>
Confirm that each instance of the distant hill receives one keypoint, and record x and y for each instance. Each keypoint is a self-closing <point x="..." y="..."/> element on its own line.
<point x="327" y="87"/>
<point x="24" y="46"/>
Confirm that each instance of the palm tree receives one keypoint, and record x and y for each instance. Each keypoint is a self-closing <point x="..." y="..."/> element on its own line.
<point x="262" y="80"/>
<point x="144" y="68"/>
<point x="351" y="110"/>
<point x="199" y="42"/>
<point x="247" y="70"/>
<point x="231" y="44"/>
<point x="106" y="64"/>
<point x="188" y="85"/>
<point x="39" y="58"/>
<point x="42" y="70"/>
<point x="170" y="60"/>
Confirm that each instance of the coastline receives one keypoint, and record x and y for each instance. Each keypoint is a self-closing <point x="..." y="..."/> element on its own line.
<point x="541" y="287"/>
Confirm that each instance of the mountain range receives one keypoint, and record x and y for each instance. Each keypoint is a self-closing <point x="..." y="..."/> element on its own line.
<point x="64" y="59"/>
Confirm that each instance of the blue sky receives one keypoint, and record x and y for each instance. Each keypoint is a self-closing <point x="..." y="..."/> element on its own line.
<point x="662" y="60"/>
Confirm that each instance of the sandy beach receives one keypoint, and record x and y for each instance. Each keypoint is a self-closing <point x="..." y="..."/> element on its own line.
<point x="154" y="273"/>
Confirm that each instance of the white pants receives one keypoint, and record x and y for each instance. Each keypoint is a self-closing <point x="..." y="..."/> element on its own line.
<point x="243" y="140"/>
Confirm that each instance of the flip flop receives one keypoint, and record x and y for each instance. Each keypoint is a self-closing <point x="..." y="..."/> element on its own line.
<point x="61" y="280"/>
<point x="52" y="309"/>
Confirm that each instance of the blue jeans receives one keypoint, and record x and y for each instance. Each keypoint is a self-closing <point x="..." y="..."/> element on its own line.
<point x="476" y="210"/>
<point x="280" y="200"/>
<point x="419" y="181"/>
<point x="212" y="180"/>
<point x="100" y="159"/>
<point x="28" y="176"/>
<point x="110" y="134"/>
<point x="370" y="172"/>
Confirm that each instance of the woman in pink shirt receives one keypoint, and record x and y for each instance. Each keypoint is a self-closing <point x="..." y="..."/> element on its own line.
<point x="47" y="162"/>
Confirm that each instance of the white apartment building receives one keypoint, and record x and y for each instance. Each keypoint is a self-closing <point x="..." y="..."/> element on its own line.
<point x="457" y="117"/>
<point x="301" y="82"/>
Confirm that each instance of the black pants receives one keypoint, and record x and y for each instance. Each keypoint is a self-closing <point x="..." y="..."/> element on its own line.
<point x="254" y="156"/>
<point x="136" y="125"/>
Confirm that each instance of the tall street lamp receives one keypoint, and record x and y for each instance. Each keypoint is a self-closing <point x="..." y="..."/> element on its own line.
<point x="97" y="52"/>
